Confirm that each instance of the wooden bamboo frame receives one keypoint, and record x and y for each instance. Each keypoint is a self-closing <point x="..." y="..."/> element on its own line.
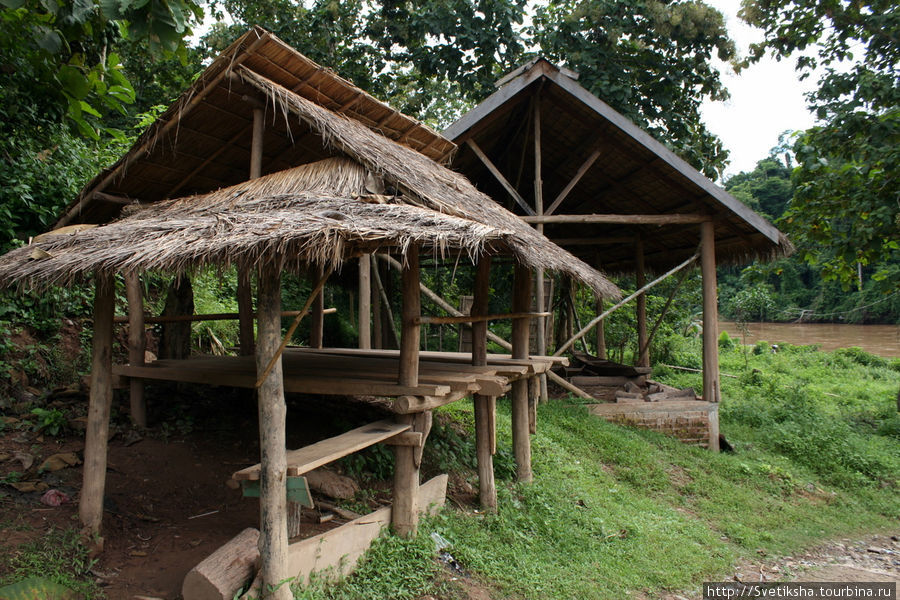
<point x="210" y="317"/>
<point x="432" y="320"/>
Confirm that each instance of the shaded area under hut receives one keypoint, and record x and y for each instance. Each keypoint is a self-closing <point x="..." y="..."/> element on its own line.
<point x="271" y="164"/>
<point x="597" y="185"/>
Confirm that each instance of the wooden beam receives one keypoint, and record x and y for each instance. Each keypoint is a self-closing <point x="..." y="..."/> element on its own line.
<point x="589" y="161"/>
<point x="161" y="130"/>
<point x="208" y="160"/>
<point x="273" y="540"/>
<point x="90" y="506"/>
<point x="137" y="342"/>
<point x="411" y="311"/>
<point x="479" y="318"/>
<point x="485" y="406"/>
<point x="365" y="301"/>
<point x="112" y="199"/>
<point x="499" y="176"/>
<point x="673" y="219"/>
<point x="622" y="303"/>
<point x="643" y="358"/>
<point x="520" y="335"/>
<point x="711" y="388"/>
<point x="594" y="241"/>
<point x="209" y="317"/>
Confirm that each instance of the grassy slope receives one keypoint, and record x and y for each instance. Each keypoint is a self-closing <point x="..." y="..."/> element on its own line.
<point x="613" y="511"/>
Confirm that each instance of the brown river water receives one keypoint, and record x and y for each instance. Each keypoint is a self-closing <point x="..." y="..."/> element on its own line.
<point x="883" y="340"/>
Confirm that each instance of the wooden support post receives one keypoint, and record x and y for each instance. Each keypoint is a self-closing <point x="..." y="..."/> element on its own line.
<point x="244" y="291"/>
<point x="601" y="330"/>
<point x="411" y="310"/>
<point x="484" y="405"/>
<point x="643" y="358"/>
<point x="541" y="340"/>
<point x="317" y="317"/>
<point x="710" y="314"/>
<point x="405" y="509"/>
<point x="377" y="325"/>
<point x="90" y="507"/>
<point x="520" y="413"/>
<point x="245" y="311"/>
<point x="273" y="540"/>
<point x="365" y="301"/>
<point x="137" y="343"/>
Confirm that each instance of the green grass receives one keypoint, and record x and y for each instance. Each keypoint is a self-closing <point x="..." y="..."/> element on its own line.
<point x="56" y="556"/>
<point x="615" y="511"/>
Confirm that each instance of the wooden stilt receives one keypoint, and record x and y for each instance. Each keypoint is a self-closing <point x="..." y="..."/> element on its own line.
<point x="245" y="311"/>
<point x="601" y="331"/>
<point x="412" y="308"/>
<point x="365" y="302"/>
<point x="244" y="290"/>
<point x="541" y="340"/>
<point x="377" y="325"/>
<point x="137" y="344"/>
<point x="520" y="413"/>
<point x="317" y="318"/>
<point x="90" y="507"/>
<point x="643" y="358"/>
<point x="711" y="389"/>
<point x="405" y="513"/>
<point x="483" y="404"/>
<point x="273" y="540"/>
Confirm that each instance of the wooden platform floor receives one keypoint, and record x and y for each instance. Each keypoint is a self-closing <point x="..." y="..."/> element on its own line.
<point x="443" y="376"/>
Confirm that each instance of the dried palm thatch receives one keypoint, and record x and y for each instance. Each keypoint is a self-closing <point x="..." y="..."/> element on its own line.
<point x="319" y="214"/>
<point x="425" y="183"/>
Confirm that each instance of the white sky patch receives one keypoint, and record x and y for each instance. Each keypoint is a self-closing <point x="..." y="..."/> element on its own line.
<point x="766" y="99"/>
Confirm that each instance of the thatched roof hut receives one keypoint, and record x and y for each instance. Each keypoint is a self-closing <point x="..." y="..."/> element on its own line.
<point x="332" y="207"/>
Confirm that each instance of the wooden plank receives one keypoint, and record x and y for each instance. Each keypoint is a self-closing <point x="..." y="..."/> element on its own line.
<point x="293" y="384"/>
<point x="321" y="453"/>
<point x="336" y="552"/>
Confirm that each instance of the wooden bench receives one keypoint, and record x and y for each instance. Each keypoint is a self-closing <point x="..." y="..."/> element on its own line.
<point x="321" y="453"/>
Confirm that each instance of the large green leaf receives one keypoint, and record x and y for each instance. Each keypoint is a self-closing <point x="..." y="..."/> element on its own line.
<point x="36" y="588"/>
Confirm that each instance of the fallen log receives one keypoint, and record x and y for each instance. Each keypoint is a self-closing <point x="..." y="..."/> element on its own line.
<point x="226" y="571"/>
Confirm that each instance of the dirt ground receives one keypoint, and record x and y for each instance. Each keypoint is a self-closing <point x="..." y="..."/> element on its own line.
<point x="167" y="505"/>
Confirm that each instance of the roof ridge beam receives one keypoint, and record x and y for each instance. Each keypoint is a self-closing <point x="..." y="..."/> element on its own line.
<point x="622" y="219"/>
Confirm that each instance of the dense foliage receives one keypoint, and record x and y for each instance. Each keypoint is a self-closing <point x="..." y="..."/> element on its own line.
<point x="848" y="178"/>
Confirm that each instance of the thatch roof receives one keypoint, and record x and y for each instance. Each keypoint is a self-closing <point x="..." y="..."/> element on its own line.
<point x="320" y="214"/>
<point x="631" y="173"/>
<point x="202" y="142"/>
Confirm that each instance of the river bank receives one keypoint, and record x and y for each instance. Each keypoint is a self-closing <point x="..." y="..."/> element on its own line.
<point x="883" y="340"/>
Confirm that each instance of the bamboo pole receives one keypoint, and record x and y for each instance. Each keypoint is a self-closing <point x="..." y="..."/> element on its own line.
<point x="484" y="405"/>
<point x="90" y="506"/>
<point x="365" y="302"/>
<point x="622" y="303"/>
<point x="386" y="306"/>
<point x="273" y="540"/>
<point x="520" y="413"/>
<point x="643" y="358"/>
<point x="499" y="176"/>
<point x="137" y="342"/>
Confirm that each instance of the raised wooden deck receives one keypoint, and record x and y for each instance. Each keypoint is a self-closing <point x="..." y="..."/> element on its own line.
<point x="444" y="377"/>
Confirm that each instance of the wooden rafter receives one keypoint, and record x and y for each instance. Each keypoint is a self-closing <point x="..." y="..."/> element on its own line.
<point x="499" y="176"/>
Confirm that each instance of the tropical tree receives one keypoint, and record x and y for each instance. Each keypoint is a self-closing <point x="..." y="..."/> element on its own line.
<point x="846" y="208"/>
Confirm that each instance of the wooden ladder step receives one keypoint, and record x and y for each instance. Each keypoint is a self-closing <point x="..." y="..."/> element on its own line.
<point x="321" y="453"/>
